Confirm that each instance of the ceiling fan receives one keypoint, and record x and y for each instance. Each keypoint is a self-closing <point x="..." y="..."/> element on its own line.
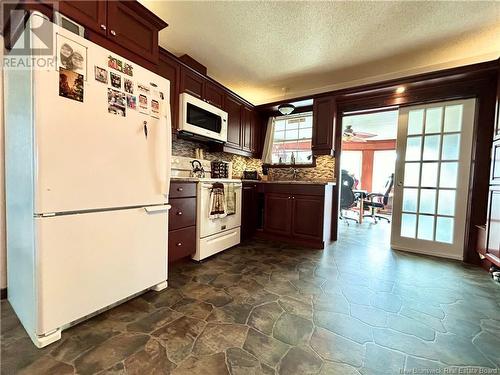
<point x="350" y="135"/>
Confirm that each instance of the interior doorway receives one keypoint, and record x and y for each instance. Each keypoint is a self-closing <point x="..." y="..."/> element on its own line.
<point x="367" y="169"/>
<point x="408" y="168"/>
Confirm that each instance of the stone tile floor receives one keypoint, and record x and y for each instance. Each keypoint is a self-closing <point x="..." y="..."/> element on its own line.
<point x="264" y="308"/>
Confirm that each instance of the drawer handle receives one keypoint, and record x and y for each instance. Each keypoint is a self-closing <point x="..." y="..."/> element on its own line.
<point x="179" y="244"/>
<point x="180" y="189"/>
<point x="179" y="213"/>
<point x="103" y="27"/>
<point x="113" y="32"/>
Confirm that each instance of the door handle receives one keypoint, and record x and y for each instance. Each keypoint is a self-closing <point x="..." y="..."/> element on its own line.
<point x="113" y="32"/>
<point x="152" y="209"/>
<point x="400" y="183"/>
<point x="103" y="26"/>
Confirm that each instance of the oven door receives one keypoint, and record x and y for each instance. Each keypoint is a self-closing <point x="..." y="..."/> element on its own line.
<point x="200" y="118"/>
<point x="207" y="226"/>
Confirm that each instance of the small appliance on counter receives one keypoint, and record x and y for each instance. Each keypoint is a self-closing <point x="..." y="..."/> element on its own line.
<point x="250" y="175"/>
<point x="221" y="169"/>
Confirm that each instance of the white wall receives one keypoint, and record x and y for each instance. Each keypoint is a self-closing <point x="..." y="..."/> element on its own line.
<point x="3" y="256"/>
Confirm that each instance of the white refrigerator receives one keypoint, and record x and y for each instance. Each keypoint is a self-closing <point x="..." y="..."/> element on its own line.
<point x="86" y="187"/>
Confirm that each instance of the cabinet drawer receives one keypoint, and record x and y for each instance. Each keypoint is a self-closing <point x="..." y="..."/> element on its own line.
<point x="182" y="189"/>
<point x="182" y="214"/>
<point x="181" y="243"/>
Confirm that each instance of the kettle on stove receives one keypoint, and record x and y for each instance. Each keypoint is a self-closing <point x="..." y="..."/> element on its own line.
<point x="197" y="169"/>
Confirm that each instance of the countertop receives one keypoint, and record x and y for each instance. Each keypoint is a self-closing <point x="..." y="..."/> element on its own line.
<point x="294" y="182"/>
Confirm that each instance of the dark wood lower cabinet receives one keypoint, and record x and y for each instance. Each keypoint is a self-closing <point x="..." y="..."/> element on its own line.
<point x="182" y="220"/>
<point x="277" y="214"/>
<point x="181" y="243"/>
<point x="307" y="218"/>
<point x="249" y="210"/>
<point x="182" y="214"/>
<point x="298" y="214"/>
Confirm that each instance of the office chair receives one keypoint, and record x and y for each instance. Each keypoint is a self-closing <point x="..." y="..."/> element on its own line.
<point x="348" y="199"/>
<point x="376" y="201"/>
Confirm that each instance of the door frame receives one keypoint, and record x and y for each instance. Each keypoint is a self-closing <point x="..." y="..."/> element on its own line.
<point x="475" y="81"/>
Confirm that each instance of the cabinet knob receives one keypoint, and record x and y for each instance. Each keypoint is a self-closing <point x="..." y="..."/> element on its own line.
<point x="289" y="197"/>
<point x="179" y="213"/>
<point x="179" y="243"/>
<point x="180" y="189"/>
<point x="103" y="26"/>
<point x="113" y="32"/>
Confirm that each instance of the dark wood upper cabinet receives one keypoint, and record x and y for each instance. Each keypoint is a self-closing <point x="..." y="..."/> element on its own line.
<point x="90" y="14"/>
<point x="192" y="83"/>
<point x="277" y="213"/>
<point x="234" y="114"/>
<point x="130" y="27"/>
<point x="324" y="110"/>
<point x="169" y="68"/>
<point x="246" y="129"/>
<point x="134" y="27"/>
<point x="214" y="95"/>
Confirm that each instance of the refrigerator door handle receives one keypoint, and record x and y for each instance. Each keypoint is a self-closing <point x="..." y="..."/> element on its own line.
<point x="162" y="164"/>
<point x="154" y="209"/>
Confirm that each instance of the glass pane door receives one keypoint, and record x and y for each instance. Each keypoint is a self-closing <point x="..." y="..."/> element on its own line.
<point x="432" y="177"/>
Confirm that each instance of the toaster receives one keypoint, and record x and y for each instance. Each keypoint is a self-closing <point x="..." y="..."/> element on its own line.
<point x="250" y="175"/>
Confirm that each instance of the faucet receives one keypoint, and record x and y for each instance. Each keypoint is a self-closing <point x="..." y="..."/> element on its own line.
<point x="295" y="172"/>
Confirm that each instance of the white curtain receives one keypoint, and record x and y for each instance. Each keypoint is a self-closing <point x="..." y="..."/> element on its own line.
<point x="267" y="152"/>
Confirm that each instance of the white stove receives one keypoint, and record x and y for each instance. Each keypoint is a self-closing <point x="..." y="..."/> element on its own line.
<point x="212" y="235"/>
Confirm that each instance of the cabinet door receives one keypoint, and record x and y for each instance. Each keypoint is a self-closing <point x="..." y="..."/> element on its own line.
<point x="323" y="126"/>
<point x="90" y="14"/>
<point x="277" y="214"/>
<point x="249" y="210"/>
<point x="170" y="69"/>
<point x="182" y="214"/>
<point x="246" y="128"/>
<point x="234" y="113"/>
<point x="192" y="83"/>
<point x="181" y="243"/>
<point x="214" y="95"/>
<point x="128" y="27"/>
<point x="255" y="142"/>
<point x="307" y="217"/>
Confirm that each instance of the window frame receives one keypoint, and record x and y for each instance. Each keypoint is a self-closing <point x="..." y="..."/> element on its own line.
<point x="312" y="164"/>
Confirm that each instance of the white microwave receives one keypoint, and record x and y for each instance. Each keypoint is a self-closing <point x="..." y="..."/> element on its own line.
<point x="200" y="118"/>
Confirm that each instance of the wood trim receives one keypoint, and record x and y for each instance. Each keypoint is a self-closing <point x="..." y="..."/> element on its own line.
<point x="387" y="87"/>
<point x="481" y="84"/>
<point x="3" y="293"/>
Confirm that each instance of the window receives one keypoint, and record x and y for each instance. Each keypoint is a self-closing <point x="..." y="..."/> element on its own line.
<point x="292" y="139"/>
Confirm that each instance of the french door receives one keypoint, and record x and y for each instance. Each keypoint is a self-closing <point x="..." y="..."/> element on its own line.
<point x="434" y="145"/>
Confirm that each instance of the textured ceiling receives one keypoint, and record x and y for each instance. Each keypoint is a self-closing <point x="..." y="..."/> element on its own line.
<point x="257" y="48"/>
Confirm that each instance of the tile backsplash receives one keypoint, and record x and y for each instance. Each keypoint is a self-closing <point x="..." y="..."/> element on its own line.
<point x="324" y="169"/>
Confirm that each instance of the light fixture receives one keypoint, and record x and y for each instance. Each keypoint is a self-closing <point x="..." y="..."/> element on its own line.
<point x="400" y="90"/>
<point x="286" y="109"/>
